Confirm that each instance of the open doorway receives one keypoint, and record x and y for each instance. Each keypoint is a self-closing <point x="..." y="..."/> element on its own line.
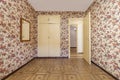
<point x="73" y="40"/>
<point x="75" y="37"/>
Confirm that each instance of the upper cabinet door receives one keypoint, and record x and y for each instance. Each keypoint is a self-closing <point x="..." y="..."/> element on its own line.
<point x="54" y="19"/>
<point x="43" y="19"/>
<point x="49" y="19"/>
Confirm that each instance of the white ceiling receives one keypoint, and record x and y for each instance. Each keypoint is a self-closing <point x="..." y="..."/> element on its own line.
<point x="60" y="5"/>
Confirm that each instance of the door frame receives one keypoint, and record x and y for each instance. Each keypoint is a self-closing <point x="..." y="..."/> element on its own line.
<point x="89" y="37"/>
<point x="69" y="23"/>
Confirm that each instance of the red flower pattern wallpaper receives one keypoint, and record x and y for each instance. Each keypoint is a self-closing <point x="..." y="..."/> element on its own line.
<point x="64" y="27"/>
<point x="105" y="23"/>
<point x="13" y="53"/>
<point x="105" y="26"/>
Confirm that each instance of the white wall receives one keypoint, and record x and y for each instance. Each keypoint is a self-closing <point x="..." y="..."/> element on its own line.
<point x="80" y="37"/>
<point x="79" y="22"/>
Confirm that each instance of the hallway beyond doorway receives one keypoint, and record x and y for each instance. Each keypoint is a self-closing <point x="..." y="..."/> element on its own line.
<point x="74" y="54"/>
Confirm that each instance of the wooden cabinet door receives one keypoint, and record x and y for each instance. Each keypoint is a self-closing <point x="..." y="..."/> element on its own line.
<point x="54" y="19"/>
<point x="45" y="19"/>
<point x="54" y="40"/>
<point x="43" y="40"/>
<point x="48" y="36"/>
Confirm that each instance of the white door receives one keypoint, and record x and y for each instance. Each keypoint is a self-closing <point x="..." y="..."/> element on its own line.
<point x="54" y="40"/>
<point x="87" y="38"/>
<point x="43" y="40"/>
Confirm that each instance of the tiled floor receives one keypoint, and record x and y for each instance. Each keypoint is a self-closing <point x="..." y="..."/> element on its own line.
<point x="60" y="69"/>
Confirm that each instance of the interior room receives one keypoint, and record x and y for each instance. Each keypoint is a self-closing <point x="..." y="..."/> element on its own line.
<point x="59" y="40"/>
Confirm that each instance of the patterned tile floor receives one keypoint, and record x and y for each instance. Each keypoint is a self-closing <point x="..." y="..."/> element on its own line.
<point x="60" y="69"/>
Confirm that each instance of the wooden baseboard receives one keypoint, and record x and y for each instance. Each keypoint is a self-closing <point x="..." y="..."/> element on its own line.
<point x="80" y="53"/>
<point x="105" y="71"/>
<point x="51" y="57"/>
<point x="73" y="47"/>
<point x="17" y="70"/>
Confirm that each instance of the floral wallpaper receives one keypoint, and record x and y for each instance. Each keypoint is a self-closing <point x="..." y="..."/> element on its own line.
<point x="64" y="27"/>
<point x="105" y="23"/>
<point x="13" y="53"/>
